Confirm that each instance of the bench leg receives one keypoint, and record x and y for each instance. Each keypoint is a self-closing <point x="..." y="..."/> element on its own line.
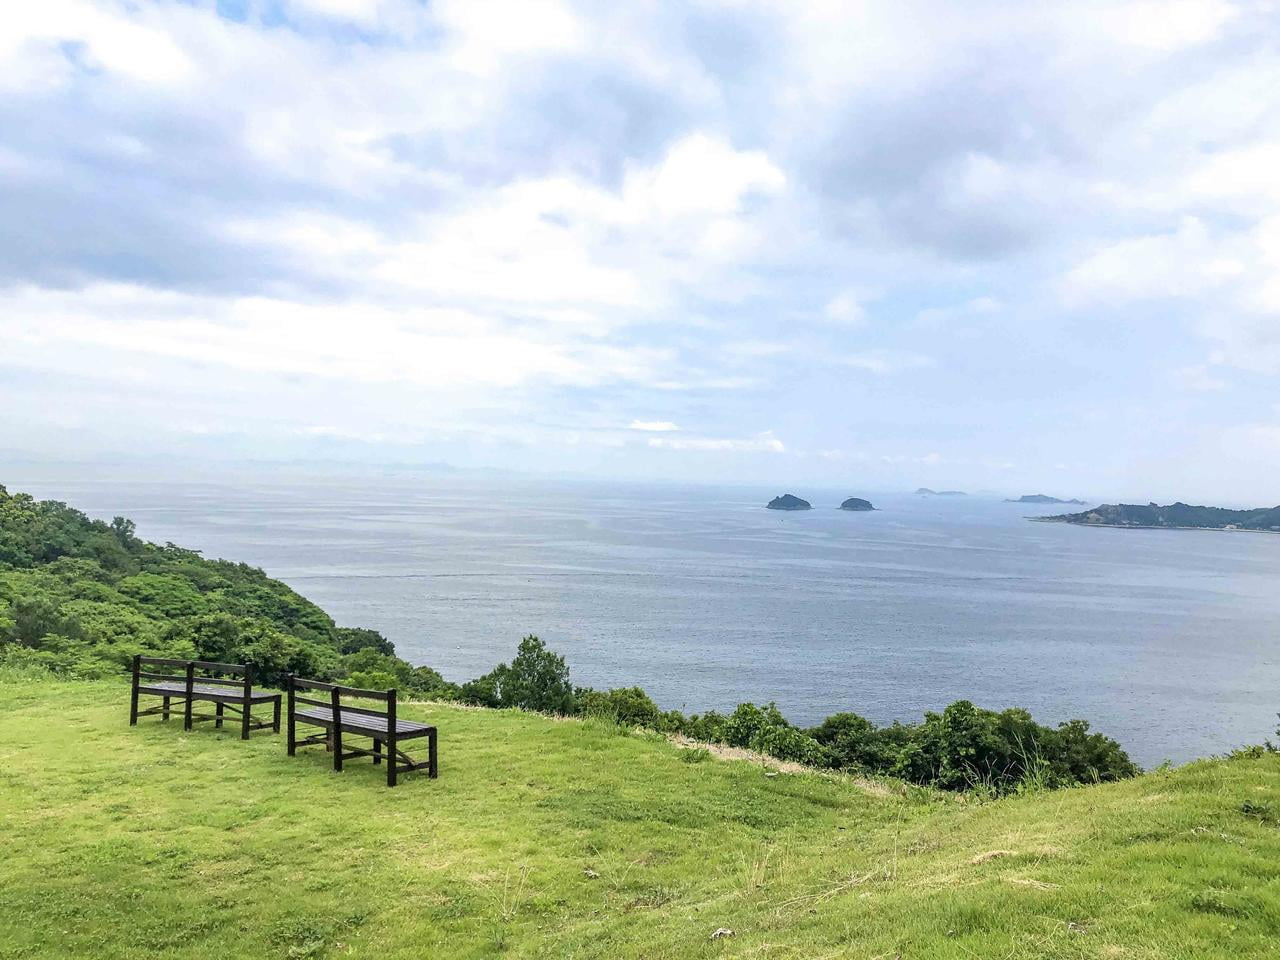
<point x="275" y="716"/>
<point x="164" y="714"/>
<point x="377" y="752"/>
<point x="392" y="761"/>
<point x="292" y="733"/>
<point x="432" y="768"/>
<point x="337" y="749"/>
<point x="186" y="715"/>
<point x="217" y="715"/>
<point x="133" y="706"/>
<point x="244" y="721"/>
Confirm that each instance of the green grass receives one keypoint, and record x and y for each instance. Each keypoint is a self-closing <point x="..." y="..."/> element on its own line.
<point x="547" y="838"/>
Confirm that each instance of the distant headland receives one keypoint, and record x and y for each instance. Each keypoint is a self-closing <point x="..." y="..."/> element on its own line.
<point x="1175" y="516"/>
<point x="788" y="502"/>
<point x="1042" y="498"/>
<point x="856" y="503"/>
<point x="926" y="492"/>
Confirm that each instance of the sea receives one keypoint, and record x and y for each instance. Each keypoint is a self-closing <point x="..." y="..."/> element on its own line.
<point x="1167" y="640"/>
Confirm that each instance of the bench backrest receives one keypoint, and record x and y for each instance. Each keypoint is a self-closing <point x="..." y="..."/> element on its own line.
<point x="333" y="694"/>
<point x="207" y="672"/>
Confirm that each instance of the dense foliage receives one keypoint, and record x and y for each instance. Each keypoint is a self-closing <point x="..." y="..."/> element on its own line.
<point x="1175" y="515"/>
<point x="80" y="597"/>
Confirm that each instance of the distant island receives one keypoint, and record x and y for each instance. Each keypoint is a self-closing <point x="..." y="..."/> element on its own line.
<point x="1042" y="498"/>
<point x="926" y="492"/>
<point x="856" y="503"/>
<point x="788" y="502"/>
<point x="1174" y="516"/>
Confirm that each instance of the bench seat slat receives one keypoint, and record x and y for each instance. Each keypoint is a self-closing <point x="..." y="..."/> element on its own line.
<point x="369" y="726"/>
<point x="205" y="692"/>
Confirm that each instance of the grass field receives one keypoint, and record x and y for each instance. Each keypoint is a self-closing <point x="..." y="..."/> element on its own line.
<point x="546" y="838"/>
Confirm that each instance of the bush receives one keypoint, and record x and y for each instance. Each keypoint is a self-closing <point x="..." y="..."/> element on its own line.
<point x="481" y="692"/>
<point x="371" y="680"/>
<point x="965" y="747"/>
<point x="788" y="743"/>
<point x="629" y="706"/>
<point x="853" y="742"/>
<point x="428" y="684"/>
<point x="708" y="727"/>
<point x="762" y="729"/>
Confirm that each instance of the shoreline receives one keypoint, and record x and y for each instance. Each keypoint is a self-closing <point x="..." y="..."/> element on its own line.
<point x="1146" y="526"/>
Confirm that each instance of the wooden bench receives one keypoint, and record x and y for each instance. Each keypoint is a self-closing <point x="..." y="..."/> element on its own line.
<point x="337" y="718"/>
<point x="212" y="686"/>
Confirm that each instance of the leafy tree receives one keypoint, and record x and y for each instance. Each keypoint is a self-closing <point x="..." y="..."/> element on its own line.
<point x="537" y="679"/>
<point x="35" y="617"/>
<point x="352" y="639"/>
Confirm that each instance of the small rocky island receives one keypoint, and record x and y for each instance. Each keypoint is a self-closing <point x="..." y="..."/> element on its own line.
<point x="788" y="502"/>
<point x="1042" y="498"/>
<point x="1175" y="516"/>
<point x="856" y="503"/>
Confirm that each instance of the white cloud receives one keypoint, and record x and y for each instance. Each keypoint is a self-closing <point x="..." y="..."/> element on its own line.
<point x="1164" y="25"/>
<point x="653" y="426"/>
<point x="975" y="307"/>
<point x="884" y="361"/>
<point x="439" y="349"/>
<point x="761" y="443"/>
<point x="1198" y="379"/>
<point x="703" y="175"/>
<point x="844" y="308"/>
<point x="356" y="11"/>
<point x="1154" y="266"/>
<point x="1246" y="341"/>
<point x="488" y="34"/>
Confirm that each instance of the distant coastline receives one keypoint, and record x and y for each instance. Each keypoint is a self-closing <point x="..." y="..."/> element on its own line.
<point x="1151" y="526"/>
<point x="1174" y="516"/>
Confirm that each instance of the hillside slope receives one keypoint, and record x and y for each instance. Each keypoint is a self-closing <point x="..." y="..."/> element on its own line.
<point x="546" y="838"/>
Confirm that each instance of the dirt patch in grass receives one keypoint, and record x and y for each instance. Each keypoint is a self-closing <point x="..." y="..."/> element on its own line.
<point x="723" y="752"/>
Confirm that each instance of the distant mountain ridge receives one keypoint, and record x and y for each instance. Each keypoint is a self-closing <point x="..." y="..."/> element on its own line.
<point x="1173" y="516"/>
<point x="926" y="492"/>
<point x="1042" y="498"/>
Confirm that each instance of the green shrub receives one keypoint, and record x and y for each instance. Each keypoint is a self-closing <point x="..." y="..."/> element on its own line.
<point x="788" y="743"/>
<point x="853" y="743"/>
<point x="371" y="680"/>
<point x="629" y="706"/>
<point x="762" y="729"/>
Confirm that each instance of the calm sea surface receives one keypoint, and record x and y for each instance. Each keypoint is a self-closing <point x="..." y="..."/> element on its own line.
<point x="1167" y="640"/>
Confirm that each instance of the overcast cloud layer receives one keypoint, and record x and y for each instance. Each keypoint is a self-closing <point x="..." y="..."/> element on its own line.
<point x="1019" y="246"/>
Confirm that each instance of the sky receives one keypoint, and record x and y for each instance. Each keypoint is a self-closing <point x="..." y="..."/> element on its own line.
<point x="864" y="245"/>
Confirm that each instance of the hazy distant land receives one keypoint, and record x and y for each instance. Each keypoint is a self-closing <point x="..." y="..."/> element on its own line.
<point x="1175" y="516"/>
<point x="1042" y="498"/>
